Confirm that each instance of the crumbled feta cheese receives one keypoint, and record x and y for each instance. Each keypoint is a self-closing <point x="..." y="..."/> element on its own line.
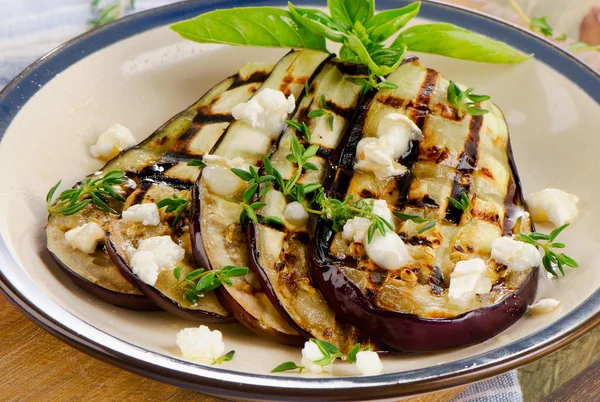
<point x="153" y="255"/>
<point x="553" y="205"/>
<point x="218" y="176"/>
<point x="266" y="111"/>
<point x="368" y="363"/>
<point x="399" y="131"/>
<point x="516" y="255"/>
<point x="295" y="214"/>
<point x="146" y="214"/>
<point x="375" y="155"/>
<point x="468" y="280"/>
<point x="85" y="237"/>
<point x="355" y="229"/>
<point x="312" y="353"/>
<point x="200" y="344"/>
<point x="543" y="306"/>
<point x="388" y="252"/>
<point x="114" y="140"/>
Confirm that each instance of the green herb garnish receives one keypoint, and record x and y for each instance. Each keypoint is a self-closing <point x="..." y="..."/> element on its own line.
<point x="428" y="223"/>
<point x="461" y="203"/>
<point x="175" y="204"/>
<point x="301" y="128"/>
<point x="546" y="242"/>
<point x="465" y="101"/>
<point x="97" y="191"/>
<point x="225" y="358"/>
<point x="196" y="162"/>
<point x="288" y="366"/>
<point x="200" y="281"/>
<point x="352" y="23"/>
<point x="577" y="47"/>
<point x="322" y="112"/>
<point x="109" y="12"/>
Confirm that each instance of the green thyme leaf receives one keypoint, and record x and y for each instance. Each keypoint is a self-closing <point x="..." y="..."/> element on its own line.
<point x="177" y="273"/>
<point x="287" y="366"/>
<point x="225" y="358"/>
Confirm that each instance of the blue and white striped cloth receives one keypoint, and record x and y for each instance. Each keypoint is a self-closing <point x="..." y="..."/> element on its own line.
<point x="31" y="28"/>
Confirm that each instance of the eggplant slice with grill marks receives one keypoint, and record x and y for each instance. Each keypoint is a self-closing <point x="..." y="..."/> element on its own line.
<point x="186" y="136"/>
<point x="217" y="235"/>
<point x="279" y="255"/>
<point x="408" y="309"/>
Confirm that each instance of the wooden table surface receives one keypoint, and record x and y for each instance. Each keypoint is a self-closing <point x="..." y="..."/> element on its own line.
<point x="35" y="366"/>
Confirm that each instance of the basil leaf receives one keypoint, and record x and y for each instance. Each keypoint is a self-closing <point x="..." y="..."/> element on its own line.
<point x="250" y="26"/>
<point x="346" y="12"/>
<point x="386" y="23"/>
<point x="346" y="54"/>
<point x="451" y="41"/>
<point x="383" y="56"/>
<point x="317" y="22"/>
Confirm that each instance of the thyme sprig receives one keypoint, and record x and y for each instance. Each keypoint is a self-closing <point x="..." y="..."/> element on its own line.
<point x="428" y="223"/>
<point x="461" y="203"/>
<point x="175" y="204"/>
<point x="466" y="101"/>
<point x="547" y="243"/>
<point x="330" y="353"/>
<point x="98" y="191"/>
<point x="322" y="111"/>
<point x="200" y="281"/>
<point x="225" y="358"/>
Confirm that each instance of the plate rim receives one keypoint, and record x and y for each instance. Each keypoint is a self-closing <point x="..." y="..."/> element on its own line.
<point x="218" y="381"/>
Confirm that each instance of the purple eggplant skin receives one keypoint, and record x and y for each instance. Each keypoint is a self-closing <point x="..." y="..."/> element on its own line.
<point x="408" y="332"/>
<point x="160" y="300"/>
<point x="132" y="302"/>
<point x="226" y="300"/>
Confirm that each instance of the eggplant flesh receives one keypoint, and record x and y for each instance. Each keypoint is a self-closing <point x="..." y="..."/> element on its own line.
<point x="279" y="256"/>
<point x="167" y="292"/>
<point x="218" y="237"/>
<point x="161" y="157"/>
<point x="408" y="309"/>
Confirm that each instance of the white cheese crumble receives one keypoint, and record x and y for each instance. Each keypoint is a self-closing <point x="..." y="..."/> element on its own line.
<point x="553" y="205"/>
<point x="153" y="255"/>
<point x="218" y="176"/>
<point x="543" y="306"/>
<point x="295" y="214"/>
<point x="389" y="251"/>
<point x="115" y="139"/>
<point x="85" y="237"/>
<point x="200" y="344"/>
<point x="516" y="255"/>
<point x="468" y="280"/>
<point x="146" y="214"/>
<point x="266" y="111"/>
<point x="379" y="154"/>
<point x="312" y="353"/>
<point x="368" y="363"/>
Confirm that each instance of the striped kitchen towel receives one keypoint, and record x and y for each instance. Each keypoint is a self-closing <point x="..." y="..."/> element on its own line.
<point x="31" y="28"/>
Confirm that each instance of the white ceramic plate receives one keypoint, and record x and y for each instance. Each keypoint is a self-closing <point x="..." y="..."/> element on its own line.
<point x="139" y="73"/>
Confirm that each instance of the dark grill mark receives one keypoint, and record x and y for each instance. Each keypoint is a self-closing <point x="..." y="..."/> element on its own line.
<point x="257" y="76"/>
<point x="366" y="193"/>
<point x="205" y="117"/>
<point x="436" y="281"/>
<point x="173" y="158"/>
<point x="351" y="68"/>
<point x="419" y="241"/>
<point x="421" y="109"/>
<point x="425" y="202"/>
<point x="141" y="193"/>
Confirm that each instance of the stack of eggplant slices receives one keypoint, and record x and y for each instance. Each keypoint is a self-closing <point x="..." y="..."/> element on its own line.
<point x="296" y="203"/>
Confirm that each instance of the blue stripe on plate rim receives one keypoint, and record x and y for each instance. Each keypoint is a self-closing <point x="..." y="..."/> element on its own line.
<point x="19" y="288"/>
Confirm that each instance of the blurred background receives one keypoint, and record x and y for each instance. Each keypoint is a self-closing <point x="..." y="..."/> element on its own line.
<point x="31" y="28"/>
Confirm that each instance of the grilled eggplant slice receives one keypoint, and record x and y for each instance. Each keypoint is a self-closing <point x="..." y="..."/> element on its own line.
<point x="167" y="292"/>
<point x="279" y="255"/>
<point x="408" y="309"/>
<point x="189" y="134"/>
<point x="217" y="235"/>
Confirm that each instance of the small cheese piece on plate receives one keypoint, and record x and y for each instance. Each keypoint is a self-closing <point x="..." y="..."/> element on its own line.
<point x="267" y="111"/>
<point x="543" y="306"/>
<point x="85" y="237"/>
<point x="146" y="214"/>
<point x="295" y="214"/>
<point x="200" y="344"/>
<point x="552" y="205"/>
<point x="516" y="255"/>
<point x="114" y="140"/>
<point x="368" y="363"/>
<point x="468" y="280"/>
<point x="153" y="255"/>
<point x="218" y="176"/>
<point x="312" y="353"/>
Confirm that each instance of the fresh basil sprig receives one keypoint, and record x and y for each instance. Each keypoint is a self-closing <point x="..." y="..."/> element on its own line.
<point x="354" y="24"/>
